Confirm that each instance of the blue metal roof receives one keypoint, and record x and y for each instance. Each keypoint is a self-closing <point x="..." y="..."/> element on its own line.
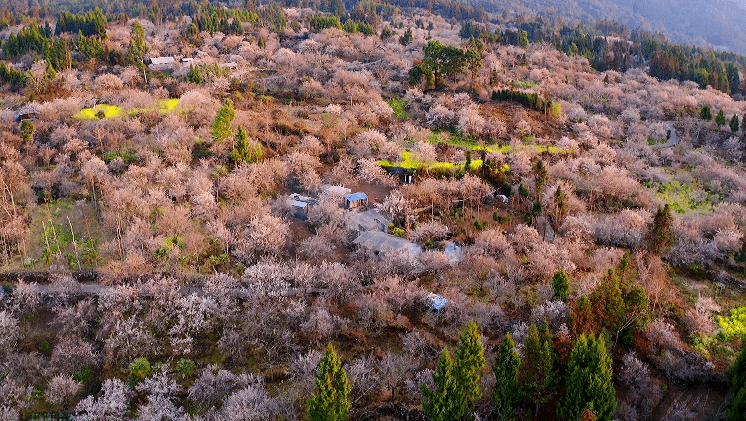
<point x="354" y="197"/>
<point x="436" y="301"/>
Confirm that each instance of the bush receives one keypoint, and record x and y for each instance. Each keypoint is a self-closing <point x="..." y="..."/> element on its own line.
<point x="140" y="368"/>
<point x="185" y="367"/>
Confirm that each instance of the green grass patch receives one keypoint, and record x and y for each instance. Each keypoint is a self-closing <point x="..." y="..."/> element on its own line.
<point x="457" y="139"/>
<point x="685" y="198"/>
<point x="127" y="156"/>
<point x="399" y="105"/>
<point x="735" y="324"/>
<point x="409" y="163"/>
<point x="99" y="112"/>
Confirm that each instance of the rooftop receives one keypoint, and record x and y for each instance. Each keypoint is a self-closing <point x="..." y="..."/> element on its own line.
<point x="384" y="243"/>
<point x="354" y="197"/>
<point x="370" y="220"/>
<point x="156" y="61"/>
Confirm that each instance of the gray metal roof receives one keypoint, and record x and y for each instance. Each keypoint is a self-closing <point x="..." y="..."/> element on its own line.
<point x="157" y="61"/>
<point x="370" y="220"/>
<point x="384" y="243"/>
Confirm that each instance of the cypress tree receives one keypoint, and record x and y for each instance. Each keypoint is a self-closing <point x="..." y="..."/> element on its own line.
<point x="706" y="113"/>
<point x="561" y="284"/>
<point x="138" y="48"/>
<point x="660" y="236"/>
<point x="507" y="391"/>
<point x="445" y="402"/>
<point x="538" y="376"/>
<point x="470" y="362"/>
<point x="221" y="127"/>
<point x="734" y="123"/>
<point x="330" y="403"/>
<point x="589" y="382"/>
<point x="720" y="119"/>
<point x="607" y="302"/>
<point x="242" y="150"/>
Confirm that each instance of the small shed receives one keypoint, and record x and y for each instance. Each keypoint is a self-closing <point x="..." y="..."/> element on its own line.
<point x="229" y="65"/>
<point x="356" y="199"/>
<point x="436" y="301"/>
<point x="161" y="63"/>
<point x="453" y="250"/>
<point x="300" y="205"/>
<point x="300" y="208"/>
<point x="187" y="59"/>
<point x="26" y="114"/>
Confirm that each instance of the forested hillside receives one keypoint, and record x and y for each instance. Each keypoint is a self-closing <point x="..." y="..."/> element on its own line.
<point x="366" y="211"/>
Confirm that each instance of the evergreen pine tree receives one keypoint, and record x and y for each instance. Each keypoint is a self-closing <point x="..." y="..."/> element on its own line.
<point x="561" y="285"/>
<point x="720" y="119"/>
<point x="607" y="302"/>
<point x="660" y="236"/>
<point x="540" y="178"/>
<point x="138" y="48"/>
<point x="706" y="113"/>
<point x="538" y="377"/>
<point x="470" y="362"/>
<point x="734" y="123"/>
<point x="242" y="150"/>
<point x="330" y="403"/>
<point x="445" y="402"/>
<point x="507" y="391"/>
<point x="221" y="127"/>
<point x="589" y="382"/>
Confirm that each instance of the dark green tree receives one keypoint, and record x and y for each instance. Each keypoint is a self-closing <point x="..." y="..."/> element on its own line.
<point x="138" y="48"/>
<point x="540" y="178"/>
<point x="523" y="38"/>
<point x="706" y="113"/>
<point x="734" y="123"/>
<point x="445" y="402"/>
<point x="720" y="119"/>
<point x="386" y="33"/>
<point x="406" y="39"/>
<point x="242" y="149"/>
<point x="507" y="391"/>
<point x="561" y="285"/>
<point x="195" y="75"/>
<point x="221" y="127"/>
<point x="560" y="208"/>
<point x="589" y="381"/>
<point x="538" y="375"/>
<point x="660" y="237"/>
<point x="607" y="302"/>
<point x="470" y="362"/>
<point x="330" y="402"/>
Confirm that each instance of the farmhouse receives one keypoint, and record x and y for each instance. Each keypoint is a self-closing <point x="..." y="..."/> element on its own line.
<point x="355" y="199"/>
